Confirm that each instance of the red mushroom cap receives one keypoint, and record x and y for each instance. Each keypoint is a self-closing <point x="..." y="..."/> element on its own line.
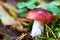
<point x="40" y="15"/>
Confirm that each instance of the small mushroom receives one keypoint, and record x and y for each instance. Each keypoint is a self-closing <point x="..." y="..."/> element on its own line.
<point x="39" y="16"/>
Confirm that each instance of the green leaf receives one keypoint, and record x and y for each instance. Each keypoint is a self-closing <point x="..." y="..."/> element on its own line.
<point x="41" y="6"/>
<point x="32" y="6"/>
<point x="58" y="0"/>
<point x="50" y="39"/>
<point x="32" y="2"/>
<point x="54" y="9"/>
<point x="58" y="34"/>
<point x="21" y="5"/>
<point x="47" y="7"/>
<point x="22" y="12"/>
<point x="57" y="29"/>
<point x="55" y="3"/>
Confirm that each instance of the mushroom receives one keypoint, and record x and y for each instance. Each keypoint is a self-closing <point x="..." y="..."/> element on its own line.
<point x="40" y="16"/>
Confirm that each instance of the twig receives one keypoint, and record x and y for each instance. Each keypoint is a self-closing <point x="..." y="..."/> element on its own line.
<point x="51" y="31"/>
<point x="47" y="34"/>
<point x="21" y="37"/>
<point x="24" y="23"/>
<point x="23" y="19"/>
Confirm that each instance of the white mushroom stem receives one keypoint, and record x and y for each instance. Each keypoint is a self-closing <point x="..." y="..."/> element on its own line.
<point x="37" y="28"/>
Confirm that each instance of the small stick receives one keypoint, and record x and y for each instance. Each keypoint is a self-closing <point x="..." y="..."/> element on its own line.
<point x="18" y="26"/>
<point x="21" y="37"/>
<point x="47" y="34"/>
<point x="23" y="19"/>
<point x="51" y="31"/>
